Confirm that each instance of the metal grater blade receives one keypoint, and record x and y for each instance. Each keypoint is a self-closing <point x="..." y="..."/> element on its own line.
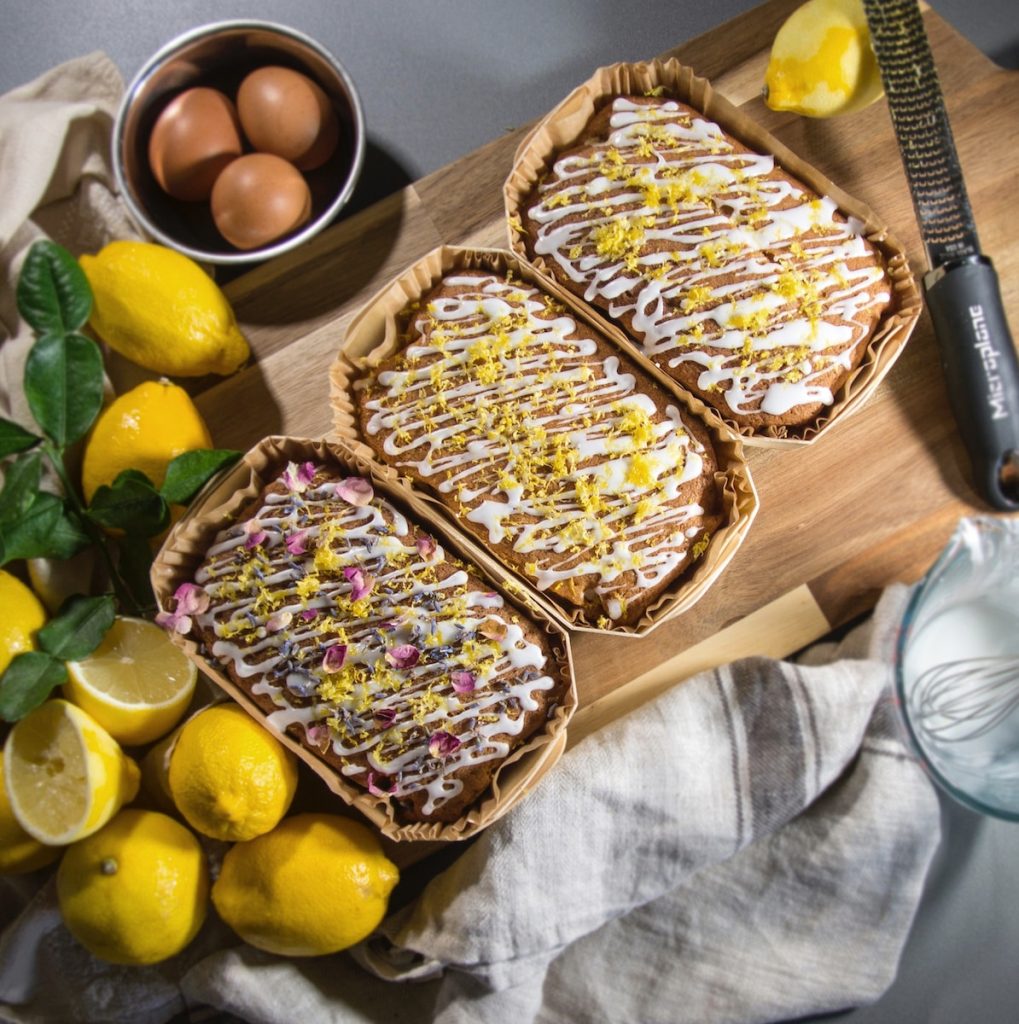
<point x="922" y="128"/>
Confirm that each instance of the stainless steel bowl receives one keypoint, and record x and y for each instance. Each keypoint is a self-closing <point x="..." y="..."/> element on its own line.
<point x="220" y="55"/>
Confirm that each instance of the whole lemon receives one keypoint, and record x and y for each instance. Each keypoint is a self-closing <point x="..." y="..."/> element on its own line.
<point x="316" y="884"/>
<point x="21" y="614"/>
<point x="137" y="891"/>
<point x="145" y="428"/>
<point x="19" y="852"/>
<point x="159" y="309"/>
<point x="228" y="776"/>
<point x="821" y="61"/>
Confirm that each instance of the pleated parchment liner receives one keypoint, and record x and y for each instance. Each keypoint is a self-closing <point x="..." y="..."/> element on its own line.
<point x="374" y="334"/>
<point x="564" y="128"/>
<point x="223" y="502"/>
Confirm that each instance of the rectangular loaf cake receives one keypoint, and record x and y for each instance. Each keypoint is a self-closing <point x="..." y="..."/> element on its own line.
<point x="361" y="638"/>
<point x="749" y="289"/>
<point x="558" y="453"/>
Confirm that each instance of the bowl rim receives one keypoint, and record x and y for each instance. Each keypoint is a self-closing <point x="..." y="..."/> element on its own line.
<point x="149" y="68"/>
<point x="923" y="587"/>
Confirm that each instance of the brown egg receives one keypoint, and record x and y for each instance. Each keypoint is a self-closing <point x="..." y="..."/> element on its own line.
<point x="259" y="198"/>
<point x="286" y="113"/>
<point x="193" y="139"/>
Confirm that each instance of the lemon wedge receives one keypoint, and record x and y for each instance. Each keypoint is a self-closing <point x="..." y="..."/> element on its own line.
<point x="821" y="61"/>
<point x="136" y="684"/>
<point x="66" y="776"/>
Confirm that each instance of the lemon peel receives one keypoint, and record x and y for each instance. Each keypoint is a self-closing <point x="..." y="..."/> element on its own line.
<point x="137" y="891"/>
<point x="316" y="884"/>
<point x="21" y="615"/>
<point x="159" y="309"/>
<point x="821" y="61"/>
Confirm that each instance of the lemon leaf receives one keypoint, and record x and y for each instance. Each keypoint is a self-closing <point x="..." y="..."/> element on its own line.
<point x="130" y="504"/>
<point x="14" y="438"/>
<point x="78" y="628"/>
<point x="134" y="565"/>
<point x="190" y="471"/>
<point x="53" y="293"/>
<point x="21" y="484"/>
<point x="28" y="681"/>
<point x="64" y="385"/>
<point x="46" y="529"/>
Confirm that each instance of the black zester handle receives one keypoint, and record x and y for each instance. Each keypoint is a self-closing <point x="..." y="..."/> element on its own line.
<point x="921" y="126"/>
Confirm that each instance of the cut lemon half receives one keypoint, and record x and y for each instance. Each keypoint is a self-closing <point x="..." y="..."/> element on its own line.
<point x="136" y="684"/>
<point x="66" y="776"/>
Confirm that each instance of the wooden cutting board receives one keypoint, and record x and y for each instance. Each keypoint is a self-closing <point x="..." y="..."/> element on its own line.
<point x="869" y="504"/>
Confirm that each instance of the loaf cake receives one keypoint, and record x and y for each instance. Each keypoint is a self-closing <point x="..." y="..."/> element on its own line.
<point x="571" y="466"/>
<point x="359" y="636"/>
<point x="752" y="291"/>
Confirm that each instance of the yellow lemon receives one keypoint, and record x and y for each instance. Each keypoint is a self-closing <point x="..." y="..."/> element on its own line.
<point x="137" y="891"/>
<point x="136" y="684"/>
<point x="822" y="62"/>
<point x="159" y="309"/>
<point x="56" y="579"/>
<point x="21" y="614"/>
<point x="66" y="776"/>
<point x="229" y="777"/>
<point x="316" y="884"/>
<point x="19" y="852"/>
<point x="143" y="429"/>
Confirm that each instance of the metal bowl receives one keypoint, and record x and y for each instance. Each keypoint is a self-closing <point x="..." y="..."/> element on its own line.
<point x="220" y="55"/>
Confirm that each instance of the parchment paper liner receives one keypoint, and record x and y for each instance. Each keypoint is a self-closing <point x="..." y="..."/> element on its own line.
<point x="563" y="128"/>
<point x="221" y="502"/>
<point x="373" y="335"/>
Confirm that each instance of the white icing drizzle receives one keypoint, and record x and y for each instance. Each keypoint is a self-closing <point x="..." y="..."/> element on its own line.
<point x="502" y="399"/>
<point x="720" y="260"/>
<point x="276" y="613"/>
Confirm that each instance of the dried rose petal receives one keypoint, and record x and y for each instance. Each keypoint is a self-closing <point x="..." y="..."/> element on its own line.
<point x="463" y="681"/>
<point x="442" y="744"/>
<point x="494" y="629"/>
<point x="426" y="547"/>
<point x="334" y="657"/>
<point x="191" y="599"/>
<point x="384" y="716"/>
<point x="404" y="656"/>
<point x="317" y="733"/>
<point x="361" y="583"/>
<point x="355" y="490"/>
<point x="278" y="621"/>
<point x="297" y="477"/>
<point x="308" y="614"/>
<point x="376" y="790"/>
<point x="174" y="622"/>
<point x="295" y="542"/>
<point x="254" y="534"/>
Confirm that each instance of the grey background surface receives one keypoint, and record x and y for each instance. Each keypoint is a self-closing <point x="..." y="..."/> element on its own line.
<point x="438" y="78"/>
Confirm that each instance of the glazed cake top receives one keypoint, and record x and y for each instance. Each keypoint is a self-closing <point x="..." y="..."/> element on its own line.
<point x="716" y="255"/>
<point x="543" y="438"/>
<point x="367" y="635"/>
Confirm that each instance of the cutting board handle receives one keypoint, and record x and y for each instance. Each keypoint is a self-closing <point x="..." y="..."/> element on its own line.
<point x="982" y="372"/>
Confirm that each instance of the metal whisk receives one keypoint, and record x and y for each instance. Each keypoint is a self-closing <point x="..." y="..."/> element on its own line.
<point x="965" y="699"/>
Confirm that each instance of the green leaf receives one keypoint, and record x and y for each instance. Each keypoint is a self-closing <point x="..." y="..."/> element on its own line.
<point x="46" y="529"/>
<point x="78" y="628"/>
<point x="14" y="438"/>
<point x="131" y="504"/>
<point x="64" y="385"/>
<point x="54" y="296"/>
<point x="134" y="566"/>
<point x="21" y="485"/>
<point x="187" y="474"/>
<point x="28" y="681"/>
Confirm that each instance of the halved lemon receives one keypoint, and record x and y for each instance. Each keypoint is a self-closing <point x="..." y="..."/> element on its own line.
<point x="136" y="684"/>
<point x="66" y="776"/>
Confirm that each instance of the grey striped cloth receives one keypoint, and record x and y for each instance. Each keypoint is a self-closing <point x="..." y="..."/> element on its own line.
<point x="751" y="846"/>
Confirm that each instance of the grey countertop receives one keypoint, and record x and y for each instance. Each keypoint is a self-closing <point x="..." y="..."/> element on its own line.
<point x="438" y="79"/>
